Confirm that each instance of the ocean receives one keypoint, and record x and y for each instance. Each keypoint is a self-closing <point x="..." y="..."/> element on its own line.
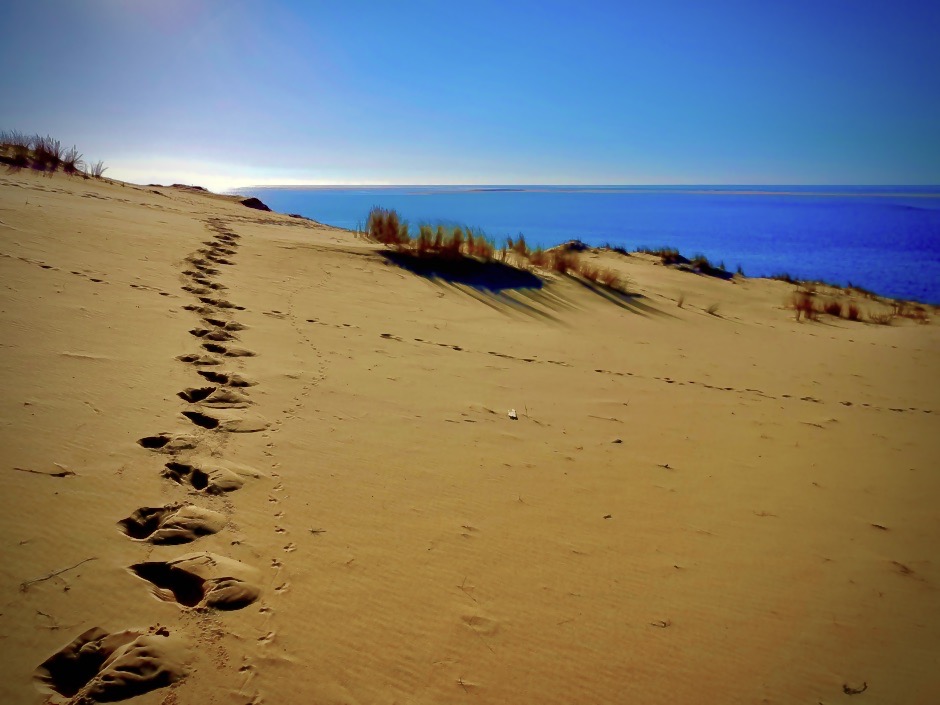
<point x="886" y="239"/>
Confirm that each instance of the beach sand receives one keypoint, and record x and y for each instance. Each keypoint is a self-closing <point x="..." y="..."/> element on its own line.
<point x="689" y="508"/>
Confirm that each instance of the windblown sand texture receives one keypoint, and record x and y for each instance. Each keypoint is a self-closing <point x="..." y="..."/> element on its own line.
<point x="247" y="458"/>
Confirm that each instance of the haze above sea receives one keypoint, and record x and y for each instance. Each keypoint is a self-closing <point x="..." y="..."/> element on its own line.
<point x="884" y="238"/>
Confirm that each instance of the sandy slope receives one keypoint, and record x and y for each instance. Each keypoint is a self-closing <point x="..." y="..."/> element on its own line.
<point x="690" y="508"/>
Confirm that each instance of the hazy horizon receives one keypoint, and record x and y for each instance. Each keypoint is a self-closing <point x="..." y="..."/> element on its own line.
<point x="238" y="94"/>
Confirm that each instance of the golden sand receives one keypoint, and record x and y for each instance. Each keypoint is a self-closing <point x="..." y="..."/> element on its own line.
<point x="688" y="508"/>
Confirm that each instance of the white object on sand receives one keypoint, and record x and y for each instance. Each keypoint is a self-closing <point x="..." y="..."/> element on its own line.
<point x="512" y="415"/>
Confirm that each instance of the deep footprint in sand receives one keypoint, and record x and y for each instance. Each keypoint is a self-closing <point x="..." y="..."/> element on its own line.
<point x="169" y="442"/>
<point x="229" y="379"/>
<point x="224" y="324"/>
<point x="218" y="397"/>
<point x="101" y="667"/>
<point x="172" y="524"/>
<point x="220" y="303"/>
<point x="216" y="334"/>
<point x="229" y="421"/>
<point x="209" y="475"/>
<point x="202" y="580"/>
<point x="199" y="360"/>
<point x="227" y="350"/>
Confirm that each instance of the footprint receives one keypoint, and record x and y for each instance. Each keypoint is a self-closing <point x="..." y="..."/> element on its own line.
<point x="172" y="524"/>
<point x="169" y="442"/>
<point x="199" y="360"/>
<point x="215" y="397"/>
<point x="194" y="394"/>
<point x="101" y="667"/>
<point x="201" y="419"/>
<point x="229" y="379"/>
<point x="201" y="310"/>
<point x="227" y="351"/>
<point x="225" y="325"/>
<point x="210" y="476"/>
<point x="202" y="580"/>
<point x="229" y="421"/>
<point x="220" y="303"/>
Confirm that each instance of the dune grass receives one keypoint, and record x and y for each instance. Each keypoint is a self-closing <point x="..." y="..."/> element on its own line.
<point x="45" y="153"/>
<point x="453" y="243"/>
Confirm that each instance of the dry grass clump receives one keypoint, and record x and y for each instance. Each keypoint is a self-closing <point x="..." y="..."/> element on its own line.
<point x="598" y="275"/>
<point x="96" y="169"/>
<point x="44" y="153"/>
<point x="804" y="305"/>
<point x="881" y="319"/>
<point x="563" y="262"/>
<point x="518" y="246"/>
<point x="539" y="258"/>
<point x="914" y="312"/>
<point x="852" y="313"/>
<point x="610" y="278"/>
<point x="385" y="226"/>
<point x="833" y="308"/>
<point x="667" y="255"/>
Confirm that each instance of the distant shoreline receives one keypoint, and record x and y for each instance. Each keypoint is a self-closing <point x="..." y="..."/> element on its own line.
<point x="883" y="238"/>
<point x="845" y="191"/>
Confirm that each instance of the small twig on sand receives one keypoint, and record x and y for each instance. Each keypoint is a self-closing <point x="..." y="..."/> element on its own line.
<point x="55" y="623"/>
<point x="24" y="586"/>
<point x="63" y="472"/>
<point x="848" y="690"/>
<point x="466" y="590"/>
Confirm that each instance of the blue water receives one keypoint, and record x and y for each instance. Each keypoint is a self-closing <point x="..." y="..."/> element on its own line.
<point x="883" y="238"/>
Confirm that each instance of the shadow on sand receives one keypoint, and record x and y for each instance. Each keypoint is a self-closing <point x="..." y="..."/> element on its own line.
<point x="489" y="276"/>
<point x="508" y="289"/>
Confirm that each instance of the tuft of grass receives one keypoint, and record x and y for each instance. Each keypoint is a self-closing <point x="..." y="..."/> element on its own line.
<point x="519" y="246"/>
<point x="833" y="308"/>
<point x="667" y="255"/>
<point x="72" y="161"/>
<point x="383" y="225"/>
<point x="425" y="241"/>
<point x="539" y="258"/>
<point x="616" y="248"/>
<point x="588" y="271"/>
<point x="881" y="319"/>
<point x="563" y="262"/>
<point x="47" y="153"/>
<point x="97" y="169"/>
<point x="852" y="313"/>
<point x="712" y="310"/>
<point x="804" y="305"/>
<point x="610" y="278"/>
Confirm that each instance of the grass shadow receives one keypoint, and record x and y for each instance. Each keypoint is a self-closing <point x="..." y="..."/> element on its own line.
<point x="633" y="303"/>
<point x="491" y="276"/>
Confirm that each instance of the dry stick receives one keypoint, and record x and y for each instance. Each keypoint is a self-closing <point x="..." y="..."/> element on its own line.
<point x="64" y="472"/>
<point x="466" y="590"/>
<point x="24" y="586"/>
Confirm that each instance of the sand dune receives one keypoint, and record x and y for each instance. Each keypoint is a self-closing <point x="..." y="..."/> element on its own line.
<point x="250" y="459"/>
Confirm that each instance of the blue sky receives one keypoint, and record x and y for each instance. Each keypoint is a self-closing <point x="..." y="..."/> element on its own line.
<point x="226" y="93"/>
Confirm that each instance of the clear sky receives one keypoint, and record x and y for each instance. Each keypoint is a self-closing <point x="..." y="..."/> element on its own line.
<point x="226" y="92"/>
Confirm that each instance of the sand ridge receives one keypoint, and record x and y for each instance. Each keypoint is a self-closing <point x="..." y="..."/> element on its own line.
<point x="688" y="507"/>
